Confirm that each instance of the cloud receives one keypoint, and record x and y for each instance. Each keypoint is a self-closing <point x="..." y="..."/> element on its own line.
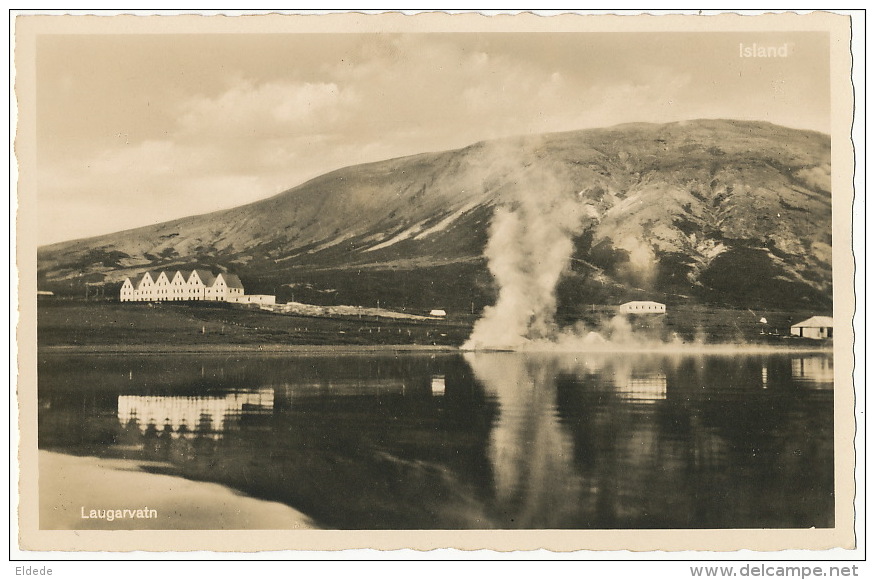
<point x="254" y="138"/>
<point x="156" y="157"/>
<point x="262" y="110"/>
<point x="255" y="128"/>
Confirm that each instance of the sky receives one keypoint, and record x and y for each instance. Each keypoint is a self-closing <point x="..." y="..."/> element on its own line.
<point x="136" y="129"/>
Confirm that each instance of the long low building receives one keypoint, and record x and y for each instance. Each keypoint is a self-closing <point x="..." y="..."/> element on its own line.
<point x="642" y="307"/>
<point x="178" y="285"/>
<point x="260" y="299"/>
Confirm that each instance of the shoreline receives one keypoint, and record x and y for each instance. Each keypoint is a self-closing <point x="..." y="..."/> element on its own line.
<point x="71" y="486"/>
<point x="242" y="348"/>
<point x="728" y="348"/>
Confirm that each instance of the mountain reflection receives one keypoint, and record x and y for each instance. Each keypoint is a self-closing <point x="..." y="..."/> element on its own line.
<point x="481" y="440"/>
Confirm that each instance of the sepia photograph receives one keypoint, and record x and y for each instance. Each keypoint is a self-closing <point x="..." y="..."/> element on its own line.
<point x="577" y="282"/>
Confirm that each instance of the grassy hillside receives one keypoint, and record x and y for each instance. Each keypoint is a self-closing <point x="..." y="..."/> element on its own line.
<point x="732" y="213"/>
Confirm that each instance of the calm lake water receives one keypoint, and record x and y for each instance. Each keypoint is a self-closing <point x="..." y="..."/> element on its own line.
<point x="486" y="440"/>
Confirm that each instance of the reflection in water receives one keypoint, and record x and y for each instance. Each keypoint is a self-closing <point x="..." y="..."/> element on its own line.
<point x="530" y="452"/>
<point x="184" y="414"/>
<point x="481" y="440"/>
<point x="645" y="388"/>
<point x="438" y="385"/>
<point x="815" y="370"/>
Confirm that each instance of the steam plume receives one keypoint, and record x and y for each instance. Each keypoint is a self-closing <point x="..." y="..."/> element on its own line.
<point x="530" y="246"/>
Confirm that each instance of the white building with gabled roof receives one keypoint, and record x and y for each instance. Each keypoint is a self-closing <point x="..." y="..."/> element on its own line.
<point x="198" y="282"/>
<point x="176" y="285"/>
<point x="126" y="294"/>
<point x="814" y="327"/>
<point x="143" y="287"/>
<point x="162" y="285"/>
<point x="225" y="288"/>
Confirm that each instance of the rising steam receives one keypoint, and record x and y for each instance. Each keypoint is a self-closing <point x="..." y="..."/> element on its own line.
<point x="530" y="247"/>
<point x="531" y="243"/>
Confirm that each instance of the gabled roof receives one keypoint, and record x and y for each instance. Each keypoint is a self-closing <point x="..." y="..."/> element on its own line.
<point x="157" y="274"/>
<point x="138" y="279"/>
<point x="814" y="321"/>
<point x="232" y="281"/>
<point x="205" y="276"/>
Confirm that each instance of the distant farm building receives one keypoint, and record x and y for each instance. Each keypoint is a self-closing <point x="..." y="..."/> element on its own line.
<point x="642" y="307"/>
<point x="814" y="327"/>
<point x="178" y="285"/>
<point x="438" y="313"/>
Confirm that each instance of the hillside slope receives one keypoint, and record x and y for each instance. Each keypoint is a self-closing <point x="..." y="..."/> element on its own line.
<point x="735" y="212"/>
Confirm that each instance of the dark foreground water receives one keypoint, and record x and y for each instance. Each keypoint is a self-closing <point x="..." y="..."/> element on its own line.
<point x="487" y="440"/>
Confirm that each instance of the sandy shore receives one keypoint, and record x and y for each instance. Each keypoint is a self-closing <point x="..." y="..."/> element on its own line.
<point x="70" y="487"/>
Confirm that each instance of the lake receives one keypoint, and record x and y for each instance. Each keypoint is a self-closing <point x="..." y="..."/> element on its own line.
<point x="469" y="440"/>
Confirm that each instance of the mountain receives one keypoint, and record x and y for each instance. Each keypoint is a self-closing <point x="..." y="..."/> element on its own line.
<point x="721" y="211"/>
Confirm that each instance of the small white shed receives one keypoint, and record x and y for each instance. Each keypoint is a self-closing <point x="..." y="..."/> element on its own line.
<point x="814" y="327"/>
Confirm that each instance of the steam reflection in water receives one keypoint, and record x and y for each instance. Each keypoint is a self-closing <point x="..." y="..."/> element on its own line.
<point x="481" y="440"/>
<point x="530" y="452"/>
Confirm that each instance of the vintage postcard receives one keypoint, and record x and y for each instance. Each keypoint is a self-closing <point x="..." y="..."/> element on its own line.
<point x="318" y="282"/>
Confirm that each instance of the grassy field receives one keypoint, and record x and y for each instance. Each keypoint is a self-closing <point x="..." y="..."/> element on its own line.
<point x="66" y="323"/>
<point x="69" y="323"/>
